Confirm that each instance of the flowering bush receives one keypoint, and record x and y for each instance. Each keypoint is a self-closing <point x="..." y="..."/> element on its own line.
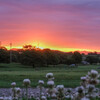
<point x="86" y="91"/>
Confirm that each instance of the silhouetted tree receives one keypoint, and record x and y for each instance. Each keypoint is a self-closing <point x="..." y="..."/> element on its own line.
<point x="76" y="57"/>
<point x="51" y="57"/>
<point x="32" y="57"/>
<point x="92" y="59"/>
<point x="4" y="55"/>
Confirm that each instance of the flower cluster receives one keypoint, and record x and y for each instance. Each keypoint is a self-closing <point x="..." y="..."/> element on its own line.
<point x="86" y="91"/>
<point x="15" y="91"/>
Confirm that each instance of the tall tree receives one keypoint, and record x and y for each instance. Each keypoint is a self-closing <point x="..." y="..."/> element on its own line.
<point x="77" y="57"/>
<point x="4" y="55"/>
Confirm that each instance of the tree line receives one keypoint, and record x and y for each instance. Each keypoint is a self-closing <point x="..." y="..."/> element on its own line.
<point x="32" y="56"/>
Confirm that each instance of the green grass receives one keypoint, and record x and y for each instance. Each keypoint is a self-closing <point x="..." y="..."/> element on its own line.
<point x="69" y="77"/>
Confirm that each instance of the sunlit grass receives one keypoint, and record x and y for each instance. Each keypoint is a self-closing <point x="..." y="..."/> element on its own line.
<point x="70" y="77"/>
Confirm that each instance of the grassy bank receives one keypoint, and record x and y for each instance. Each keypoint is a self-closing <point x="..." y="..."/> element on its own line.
<point x="70" y="77"/>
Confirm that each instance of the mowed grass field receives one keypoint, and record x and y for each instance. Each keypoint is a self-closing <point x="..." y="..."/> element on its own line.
<point x="69" y="77"/>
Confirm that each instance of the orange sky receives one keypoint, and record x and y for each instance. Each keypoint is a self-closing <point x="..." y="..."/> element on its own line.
<point x="57" y="24"/>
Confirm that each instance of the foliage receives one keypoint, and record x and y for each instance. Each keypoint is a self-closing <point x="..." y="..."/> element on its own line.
<point x="92" y="59"/>
<point x="4" y="55"/>
<point x="77" y="57"/>
<point x="36" y="57"/>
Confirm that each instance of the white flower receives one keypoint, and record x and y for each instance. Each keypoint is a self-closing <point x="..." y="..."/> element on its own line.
<point x="93" y="74"/>
<point x="1" y="98"/>
<point x="69" y="97"/>
<point x="90" y="88"/>
<point x="49" y="75"/>
<point x="49" y="83"/>
<point x="32" y="95"/>
<point x="37" y="98"/>
<point x="42" y="94"/>
<point x="85" y="98"/>
<point x="69" y="90"/>
<point x="80" y="89"/>
<point x="83" y="78"/>
<point x="41" y="82"/>
<point x="18" y="90"/>
<point x="54" y="96"/>
<point x="93" y="81"/>
<point x="13" y="84"/>
<point x="8" y="98"/>
<point x="60" y="87"/>
<point x="43" y="98"/>
<point x="51" y="91"/>
<point x="26" y="82"/>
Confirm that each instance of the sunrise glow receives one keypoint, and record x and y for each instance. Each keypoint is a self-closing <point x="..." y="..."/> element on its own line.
<point x="65" y="25"/>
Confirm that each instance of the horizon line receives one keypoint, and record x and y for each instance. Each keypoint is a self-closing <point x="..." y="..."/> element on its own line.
<point x="59" y="49"/>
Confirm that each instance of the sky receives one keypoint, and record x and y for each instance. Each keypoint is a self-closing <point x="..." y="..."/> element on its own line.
<point x="66" y="25"/>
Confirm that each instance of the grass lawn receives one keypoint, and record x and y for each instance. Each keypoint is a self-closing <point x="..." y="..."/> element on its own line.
<point x="69" y="77"/>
